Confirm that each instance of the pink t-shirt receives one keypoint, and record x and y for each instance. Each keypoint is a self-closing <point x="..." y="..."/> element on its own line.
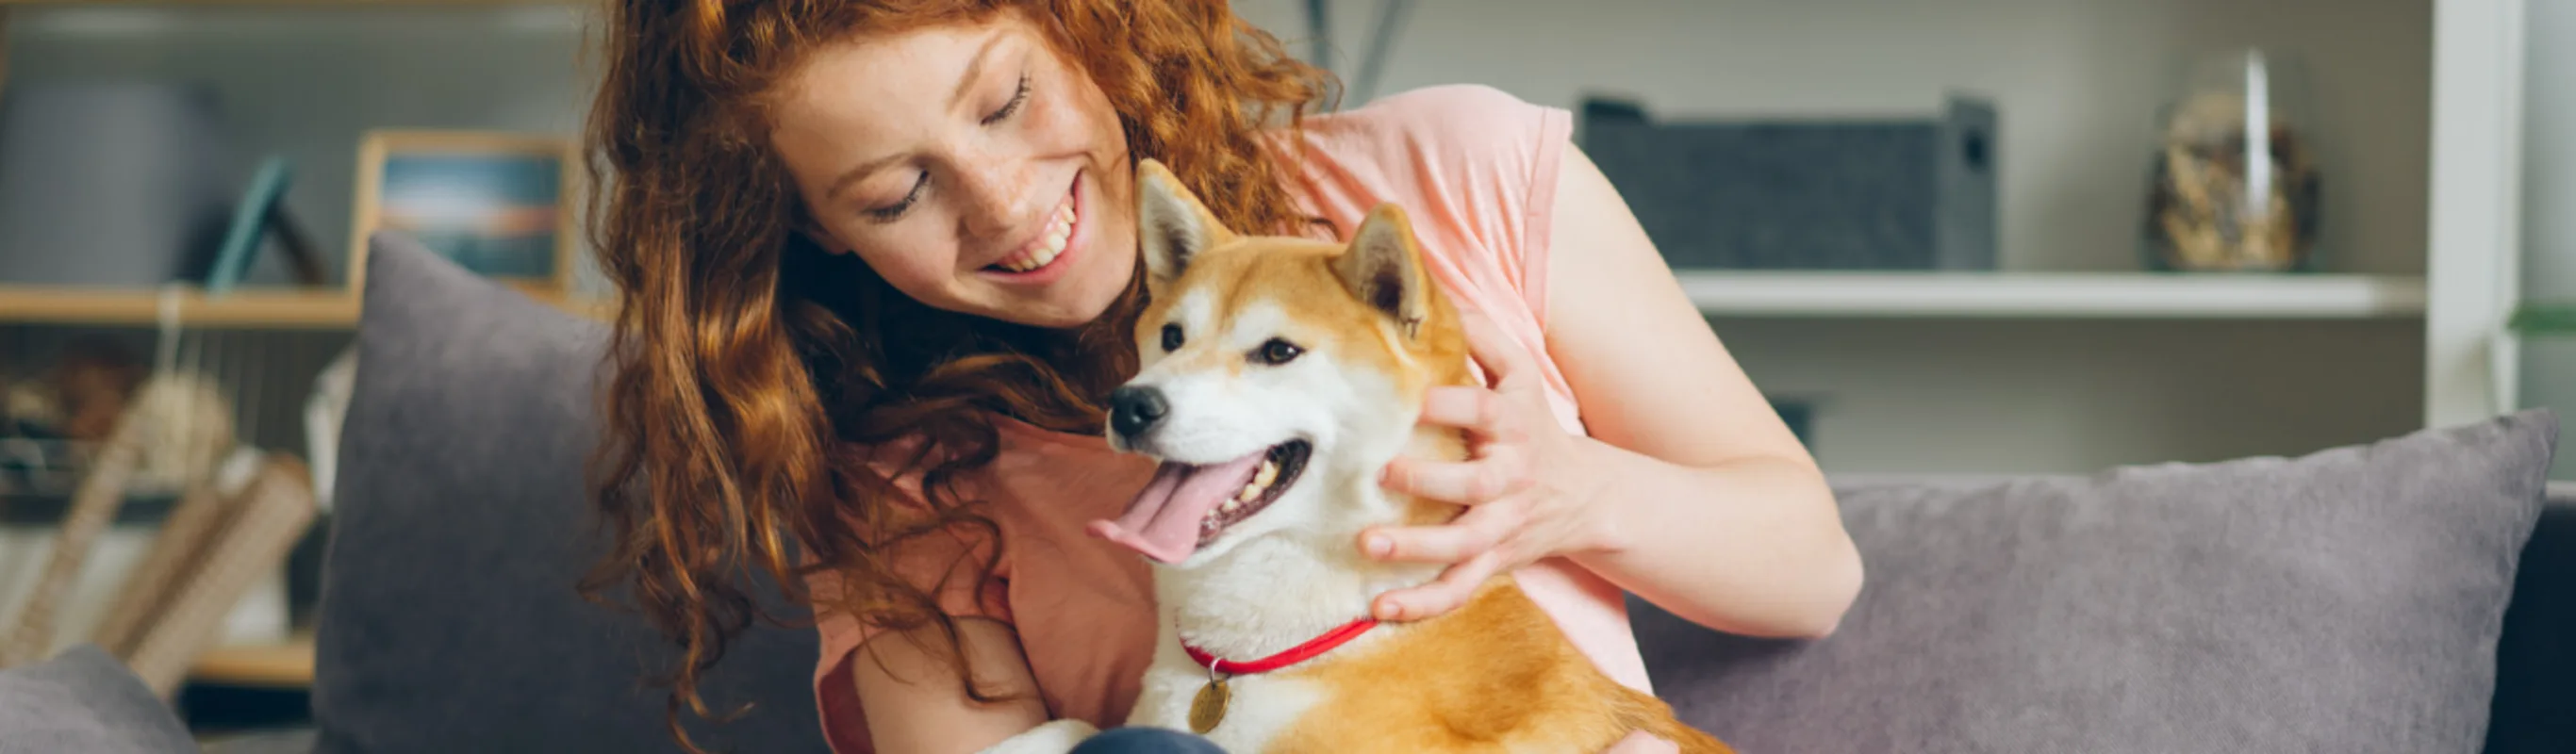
<point x="1476" y="170"/>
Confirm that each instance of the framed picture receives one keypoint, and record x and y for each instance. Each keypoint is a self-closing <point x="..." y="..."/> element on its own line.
<point x="499" y="204"/>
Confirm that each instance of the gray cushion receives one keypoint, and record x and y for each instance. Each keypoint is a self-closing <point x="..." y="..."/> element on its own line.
<point x="84" y="700"/>
<point x="2345" y="601"/>
<point x="448" y="620"/>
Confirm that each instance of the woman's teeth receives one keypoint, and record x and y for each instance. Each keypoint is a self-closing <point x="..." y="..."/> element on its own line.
<point x="1058" y="229"/>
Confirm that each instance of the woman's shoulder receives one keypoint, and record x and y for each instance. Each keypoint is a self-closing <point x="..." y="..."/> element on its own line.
<point x="1474" y="167"/>
<point x="1440" y="103"/>
<point x="1469" y="124"/>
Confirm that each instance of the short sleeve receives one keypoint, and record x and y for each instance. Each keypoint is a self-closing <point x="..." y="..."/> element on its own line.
<point x="1476" y="169"/>
<point x="1473" y="164"/>
<point x="948" y="564"/>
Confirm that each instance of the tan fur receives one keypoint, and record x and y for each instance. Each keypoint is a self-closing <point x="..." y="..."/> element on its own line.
<point x="1495" y="675"/>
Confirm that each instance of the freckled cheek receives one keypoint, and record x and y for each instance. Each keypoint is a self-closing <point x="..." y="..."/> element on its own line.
<point x="1074" y="120"/>
<point x="910" y="258"/>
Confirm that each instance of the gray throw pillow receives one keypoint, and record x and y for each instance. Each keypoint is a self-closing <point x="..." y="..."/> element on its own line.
<point x="448" y="620"/>
<point x="2345" y="601"/>
<point x="84" y="700"/>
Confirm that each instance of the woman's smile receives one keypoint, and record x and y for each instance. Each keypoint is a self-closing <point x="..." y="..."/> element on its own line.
<point x="1043" y="259"/>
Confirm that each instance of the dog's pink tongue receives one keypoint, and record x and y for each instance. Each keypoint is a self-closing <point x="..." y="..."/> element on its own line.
<point x="1163" y="522"/>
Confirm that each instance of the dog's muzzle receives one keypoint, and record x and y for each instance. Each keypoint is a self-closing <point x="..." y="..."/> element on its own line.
<point x="1133" y="411"/>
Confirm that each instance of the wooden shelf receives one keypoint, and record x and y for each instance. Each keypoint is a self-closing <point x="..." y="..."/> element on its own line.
<point x="2049" y="295"/>
<point x="256" y="309"/>
<point x="327" y="308"/>
<point x="288" y="665"/>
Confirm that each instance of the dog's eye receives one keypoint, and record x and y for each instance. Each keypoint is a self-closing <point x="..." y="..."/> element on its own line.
<point x="1277" y="352"/>
<point x="1172" y="336"/>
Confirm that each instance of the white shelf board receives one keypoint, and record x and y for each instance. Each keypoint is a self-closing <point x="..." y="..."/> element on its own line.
<point x="2045" y="295"/>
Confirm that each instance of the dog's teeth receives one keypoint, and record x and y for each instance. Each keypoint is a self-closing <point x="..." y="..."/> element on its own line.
<point x="1269" y="473"/>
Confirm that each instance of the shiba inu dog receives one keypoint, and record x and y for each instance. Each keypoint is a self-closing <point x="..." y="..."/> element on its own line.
<point x="1278" y="375"/>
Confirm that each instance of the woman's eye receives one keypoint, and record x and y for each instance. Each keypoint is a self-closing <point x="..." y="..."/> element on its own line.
<point x="1277" y="352"/>
<point x="1171" y="337"/>
<point x="890" y="212"/>
<point x="1018" y="96"/>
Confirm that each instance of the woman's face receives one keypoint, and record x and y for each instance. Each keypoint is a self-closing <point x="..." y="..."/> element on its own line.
<point x="972" y="167"/>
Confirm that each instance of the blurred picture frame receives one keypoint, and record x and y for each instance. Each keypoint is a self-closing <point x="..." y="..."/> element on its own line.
<point x="500" y="204"/>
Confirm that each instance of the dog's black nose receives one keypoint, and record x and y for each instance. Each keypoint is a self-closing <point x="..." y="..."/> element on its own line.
<point x="1132" y="410"/>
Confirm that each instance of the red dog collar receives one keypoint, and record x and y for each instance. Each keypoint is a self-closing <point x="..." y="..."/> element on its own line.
<point x="1291" y="656"/>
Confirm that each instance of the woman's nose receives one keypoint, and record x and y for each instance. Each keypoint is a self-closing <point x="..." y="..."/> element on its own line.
<point x="997" y="194"/>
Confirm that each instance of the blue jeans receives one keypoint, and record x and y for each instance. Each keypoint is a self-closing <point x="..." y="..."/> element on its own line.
<point x="1145" y="741"/>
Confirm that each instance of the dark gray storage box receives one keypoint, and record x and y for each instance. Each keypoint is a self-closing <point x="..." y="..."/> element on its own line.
<point x="1894" y="194"/>
<point x="119" y="184"/>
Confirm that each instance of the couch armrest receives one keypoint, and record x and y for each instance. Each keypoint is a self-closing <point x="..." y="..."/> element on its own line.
<point x="2535" y="692"/>
<point x="84" y="700"/>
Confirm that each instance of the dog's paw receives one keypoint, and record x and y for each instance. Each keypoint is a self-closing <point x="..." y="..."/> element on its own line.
<point x="1053" y="737"/>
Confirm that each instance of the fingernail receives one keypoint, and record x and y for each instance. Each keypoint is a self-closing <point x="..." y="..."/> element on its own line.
<point x="1377" y="545"/>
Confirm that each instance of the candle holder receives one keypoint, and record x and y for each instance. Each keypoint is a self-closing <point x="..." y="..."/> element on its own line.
<point x="2235" y="179"/>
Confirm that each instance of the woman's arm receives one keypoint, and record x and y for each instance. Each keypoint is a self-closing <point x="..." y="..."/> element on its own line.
<point x="913" y="702"/>
<point x="1713" y="509"/>
<point x="1689" y="491"/>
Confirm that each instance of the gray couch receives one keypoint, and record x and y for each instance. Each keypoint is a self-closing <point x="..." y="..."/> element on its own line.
<point x="2416" y="594"/>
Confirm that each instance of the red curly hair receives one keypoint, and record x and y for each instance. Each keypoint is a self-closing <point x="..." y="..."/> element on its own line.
<point x="752" y="371"/>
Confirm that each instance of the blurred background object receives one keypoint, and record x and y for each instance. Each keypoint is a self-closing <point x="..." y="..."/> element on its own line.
<point x="114" y="183"/>
<point x="2236" y="179"/>
<point x="1892" y="193"/>
<point x="177" y="183"/>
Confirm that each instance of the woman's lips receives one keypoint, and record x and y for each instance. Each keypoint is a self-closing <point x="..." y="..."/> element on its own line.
<point x="1052" y="243"/>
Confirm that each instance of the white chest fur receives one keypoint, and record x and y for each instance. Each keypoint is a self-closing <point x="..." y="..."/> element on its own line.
<point x="1264" y="597"/>
<point x="1259" y="706"/>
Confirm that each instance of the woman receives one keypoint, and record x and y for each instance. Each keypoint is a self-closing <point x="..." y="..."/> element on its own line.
<point x="879" y="265"/>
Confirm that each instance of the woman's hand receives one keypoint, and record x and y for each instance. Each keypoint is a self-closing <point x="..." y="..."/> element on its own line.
<point x="1527" y="484"/>
<point x="1641" y="742"/>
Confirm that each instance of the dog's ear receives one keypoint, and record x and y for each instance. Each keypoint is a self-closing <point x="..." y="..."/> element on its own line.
<point x="1383" y="266"/>
<point x="1171" y="225"/>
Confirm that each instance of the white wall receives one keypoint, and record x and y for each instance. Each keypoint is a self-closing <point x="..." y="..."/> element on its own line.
<point x="2549" y="191"/>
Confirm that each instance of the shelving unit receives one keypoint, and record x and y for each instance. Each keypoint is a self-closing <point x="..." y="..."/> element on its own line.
<point x="279" y="309"/>
<point x="2053" y="295"/>
<point x="290" y="309"/>
<point x="304" y="316"/>
<point x="2069" y="356"/>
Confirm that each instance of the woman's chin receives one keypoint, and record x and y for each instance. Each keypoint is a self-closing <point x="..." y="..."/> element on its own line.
<point x="1072" y="298"/>
<point x="1056" y="308"/>
<point x="1083" y="296"/>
